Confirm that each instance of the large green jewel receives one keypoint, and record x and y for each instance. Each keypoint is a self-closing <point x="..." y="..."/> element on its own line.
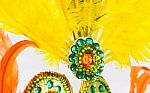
<point x="49" y="82"/>
<point x="37" y="90"/>
<point x="86" y="59"/>
<point x="73" y="67"/>
<point x="72" y="58"/>
<point x="58" y="88"/>
<point x="93" y="89"/>
<point x="80" y="42"/>
<point x="80" y="75"/>
<point x="101" y="88"/>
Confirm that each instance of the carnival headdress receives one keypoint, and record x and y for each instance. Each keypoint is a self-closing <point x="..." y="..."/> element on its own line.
<point x="84" y="34"/>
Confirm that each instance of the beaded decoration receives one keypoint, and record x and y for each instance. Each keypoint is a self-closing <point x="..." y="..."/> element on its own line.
<point x="49" y="82"/>
<point x="86" y="59"/>
<point x="53" y="26"/>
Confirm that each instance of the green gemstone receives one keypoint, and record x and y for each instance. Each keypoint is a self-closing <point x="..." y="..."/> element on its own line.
<point x="83" y="51"/>
<point x="89" y="77"/>
<point x="86" y="48"/>
<point x="94" y="52"/>
<point x="73" y="67"/>
<point x="93" y="89"/>
<point x="80" y="54"/>
<point x="74" y="49"/>
<point x="80" y="75"/>
<point x="81" y="66"/>
<point x="33" y="85"/>
<point x="87" y="70"/>
<point x="102" y="64"/>
<point x="96" y="45"/>
<point x="58" y="88"/>
<point x="84" y="69"/>
<point x="37" y="90"/>
<point x="80" y="61"/>
<point x="101" y="88"/>
<point x="91" y="70"/>
<point x="37" y="79"/>
<point x="80" y="42"/>
<point x="80" y="58"/>
<point x="49" y="84"/>
<point x="72" y="58"/>
<point x="91" y="48"/>
<point x="89" y="41"/>
<point x="101" y="54"/>
<point x="98" y="73"/>
<point x="34" y="82"/>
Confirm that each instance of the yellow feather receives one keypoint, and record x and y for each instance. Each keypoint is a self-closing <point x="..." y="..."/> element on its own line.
<point x="52" y="24"/>
<point x="126" y="30"/>
<point x="55" y="24"/>
<point x="42" y="21"/>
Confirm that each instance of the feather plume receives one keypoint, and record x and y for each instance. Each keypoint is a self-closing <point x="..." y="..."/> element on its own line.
<point x="5" y="43"/>
<point x="42" y="21"/>
<point x="9" y="84"/>
<point x="125" y="31"/>
<point x="11" y="73"/>
<point x="55" y="24"/>
<point x="139" y="83"/>
<point x="51" y="24"/>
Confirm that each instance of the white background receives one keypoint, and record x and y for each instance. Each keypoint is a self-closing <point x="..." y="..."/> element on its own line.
<point x="31" y="63"/>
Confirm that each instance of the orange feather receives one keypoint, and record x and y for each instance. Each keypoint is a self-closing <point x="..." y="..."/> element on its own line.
<point x="10" y="79"/>
<point x="139" y="83"/>
<point x="11" y="73"/>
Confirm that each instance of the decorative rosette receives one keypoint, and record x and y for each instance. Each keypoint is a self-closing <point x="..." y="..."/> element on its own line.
<point x="86" y="59"/>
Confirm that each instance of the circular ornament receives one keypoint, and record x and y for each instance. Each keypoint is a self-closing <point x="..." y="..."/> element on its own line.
<point x="86" y="59"/>
<point x="49" y="82"/>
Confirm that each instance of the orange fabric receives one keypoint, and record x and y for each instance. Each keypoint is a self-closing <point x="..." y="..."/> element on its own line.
<point x="139" y="82"/>
<point x="9" y="85"/>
